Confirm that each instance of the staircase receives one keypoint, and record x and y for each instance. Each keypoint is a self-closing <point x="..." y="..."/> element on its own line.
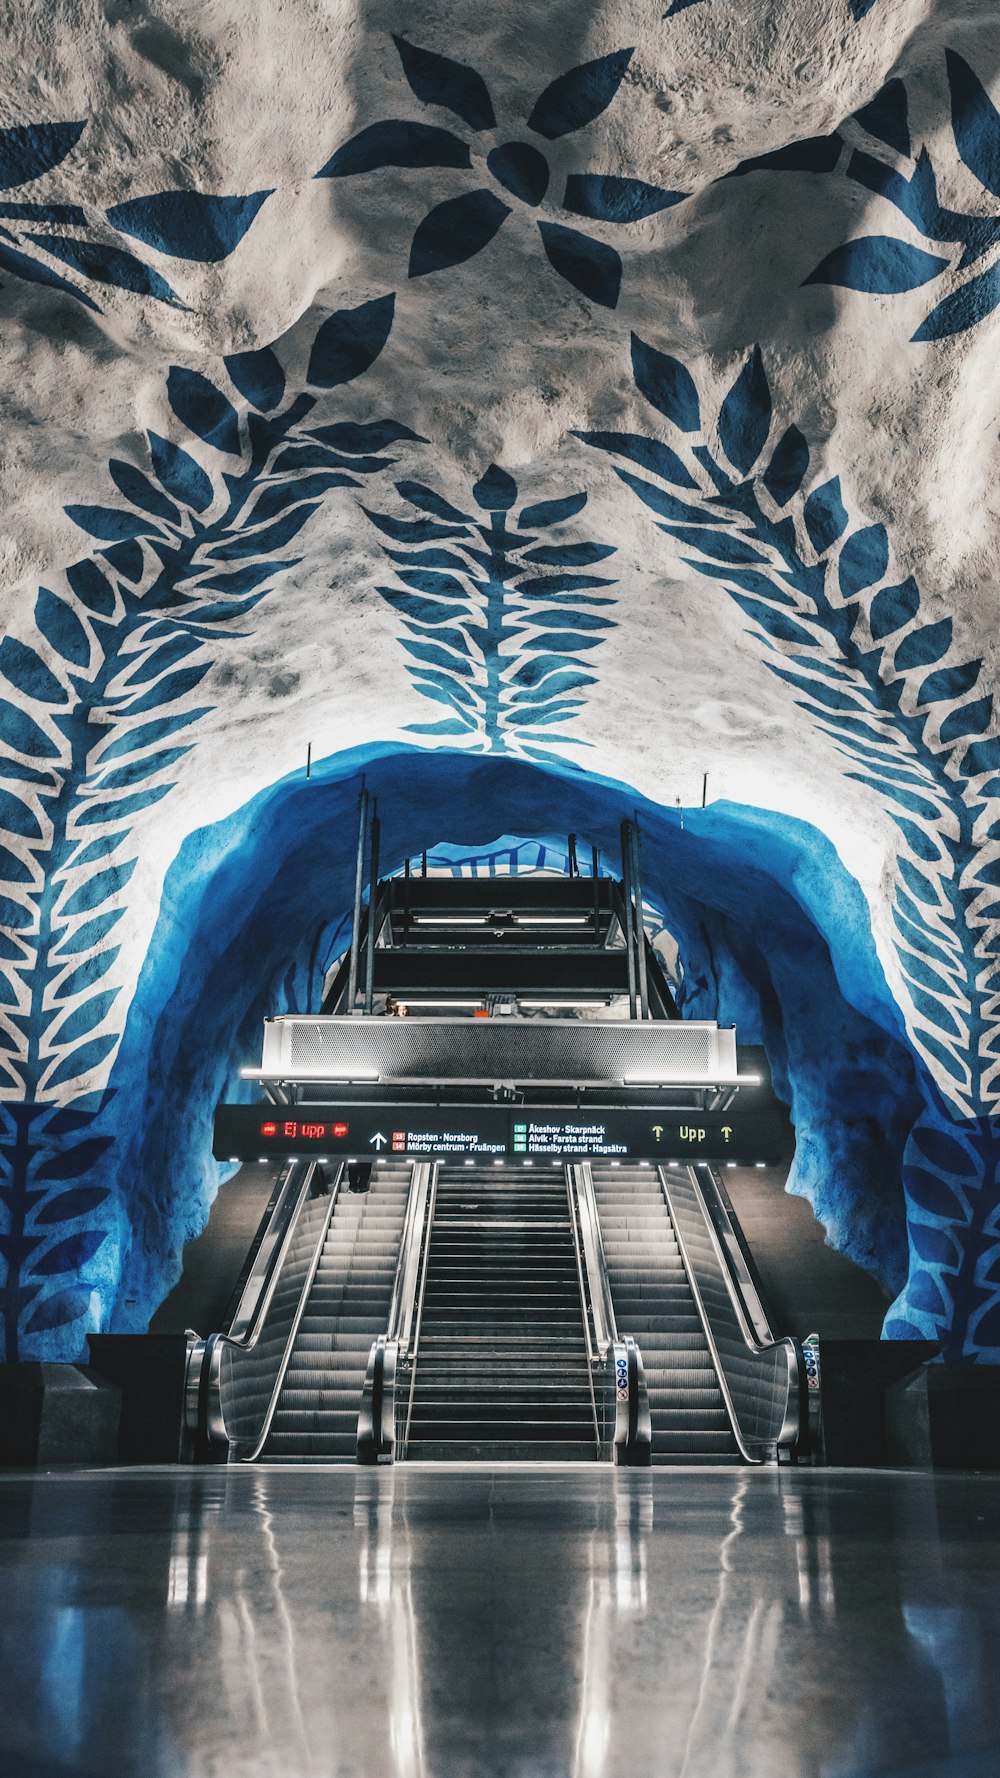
<point x="653" y="1302"/>
<point x="317" y="1411"/>
<point x="502" y="1371"/>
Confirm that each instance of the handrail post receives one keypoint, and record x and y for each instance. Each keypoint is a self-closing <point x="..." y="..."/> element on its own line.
<point x="372" y="913"/>
<point x="640" y="930"/>
<point x="627" y="916"/>
<point x="359" y="875"/>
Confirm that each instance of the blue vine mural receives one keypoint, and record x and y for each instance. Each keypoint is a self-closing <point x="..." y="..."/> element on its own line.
<point x="885" y="684"/>
<point x="97" y="712"/>
<point x="189" y="225"/>
<point x="886" y="264"/>
<point x="460" y="227"/>
<point x="500" y="636"/>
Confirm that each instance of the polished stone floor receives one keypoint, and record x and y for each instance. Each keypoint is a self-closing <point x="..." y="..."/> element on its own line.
<point x="499" y="1623"/>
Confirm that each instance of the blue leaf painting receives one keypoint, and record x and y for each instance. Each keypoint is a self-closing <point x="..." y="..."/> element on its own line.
<point x="203" y="409"/>
<point x="455" y="231"/>
<point x="96" y="697"/>
<point x="143" y="493"/>
<point x="109" y="265"/>
<point x="16" y="816"/>
<point x="863" y="561"/>
<point x="787" y="468"/>
<point x="520" y="168"/>
<point x="667" y="384"/>
<point x="893" y="607"/>
<point x="881" y="265"/>
<point x="92" y="587"/>
<point x="885" y="116"/>
<point x="969" y="719"/>
<point x="964" y="308"/>
<point x="58" y="1308"/>
<point x="591" y="267"/>
<point x="188" y="224"/>
<point x="923" y="646"/>
<point x="496" y="491"/>
<point x="608" y="198"/>
<point x="24" y="669"/>
<point x="69" y="1255"/>
<point x="111" y="523"/>
<point x="948" y="684"/>
<point x="29" y="150"/>
<point x="577" y="97"/>
<point x="349" y="341"/>
<point x="61" y="627"/>
<point x="437" y="80"/>
<point x="397" y="143"/>
<point x="745" y="415"/>
<point x="35" y="272"/>
<point x="975" y="122"/>
<point x="478" y="637"/>
<point x="893" y="711"/>
<point x="815" y="154"/>
<point x="257" y="375"/>
<point x="551" y="512"/>
<point x="825" y="515"/>
<point x="23" y="733"/>
<point x="648" y="453"/>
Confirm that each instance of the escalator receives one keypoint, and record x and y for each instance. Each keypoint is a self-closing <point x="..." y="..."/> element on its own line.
<point x="316" y="1411"/>
<point x="501" y="1369"/>
<point x="517" y="1307"/>
<point x="652" y="1296"/>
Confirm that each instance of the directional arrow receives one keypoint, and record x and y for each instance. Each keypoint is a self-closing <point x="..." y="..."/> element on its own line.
<point x="378" y="1141"/>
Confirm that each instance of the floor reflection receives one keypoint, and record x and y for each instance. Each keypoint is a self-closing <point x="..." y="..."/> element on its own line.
<point x="547" y="1624"/>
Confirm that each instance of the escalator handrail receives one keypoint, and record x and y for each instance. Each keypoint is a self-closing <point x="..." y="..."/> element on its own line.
<point x="425" y="1254"/>
<point x="586" y="1309"/>
<point x="423" y="1191"/>
<point x="307" y="1284"/>
<point x="720" y="1215"/>
<point x="789" y="1429"/>
<point x="262" y="1280"/>
<point x="601" y="1301"/>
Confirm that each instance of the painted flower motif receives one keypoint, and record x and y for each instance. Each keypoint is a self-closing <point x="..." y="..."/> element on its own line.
<point x="183" y="224"/>
<point x="460" y="227"/>
<point x="886" y="265"/>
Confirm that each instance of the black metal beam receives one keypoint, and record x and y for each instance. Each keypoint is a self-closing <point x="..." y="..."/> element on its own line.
<point x="499" y="971"/>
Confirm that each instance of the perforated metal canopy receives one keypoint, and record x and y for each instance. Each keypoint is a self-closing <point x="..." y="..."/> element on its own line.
<point x="543" y="1052"/>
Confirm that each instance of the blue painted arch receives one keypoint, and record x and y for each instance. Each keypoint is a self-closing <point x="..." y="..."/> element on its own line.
<point x="773" y="933"/>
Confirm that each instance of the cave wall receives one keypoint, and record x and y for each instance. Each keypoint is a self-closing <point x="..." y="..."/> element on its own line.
<point x="607" y="391"/>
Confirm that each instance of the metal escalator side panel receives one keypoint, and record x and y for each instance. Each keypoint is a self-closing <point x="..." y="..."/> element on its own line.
<point x="247" y="1451"/>
<point x="244" y="1350"/>
<point x="759" y="1380"/>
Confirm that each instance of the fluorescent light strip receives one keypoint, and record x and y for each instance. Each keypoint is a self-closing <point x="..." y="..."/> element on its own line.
<point x="535" y="1004"/>
<point x="552" y="920"/>
<point x="404" y="1001"/>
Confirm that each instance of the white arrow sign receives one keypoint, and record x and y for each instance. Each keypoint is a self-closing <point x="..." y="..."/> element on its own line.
<point x="378" y="1141"/>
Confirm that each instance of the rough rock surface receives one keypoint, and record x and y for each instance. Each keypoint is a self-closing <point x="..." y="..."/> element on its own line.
<point x="552" y="405"/>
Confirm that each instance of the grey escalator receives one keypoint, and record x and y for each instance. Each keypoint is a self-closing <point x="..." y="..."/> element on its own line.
<point x="502" y="1369"/>
<point x="654" y="1303"/>
<point x="317" y="1410"/>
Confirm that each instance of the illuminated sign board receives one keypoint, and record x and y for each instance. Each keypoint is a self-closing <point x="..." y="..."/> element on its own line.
<point x="406" y="1132"/>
